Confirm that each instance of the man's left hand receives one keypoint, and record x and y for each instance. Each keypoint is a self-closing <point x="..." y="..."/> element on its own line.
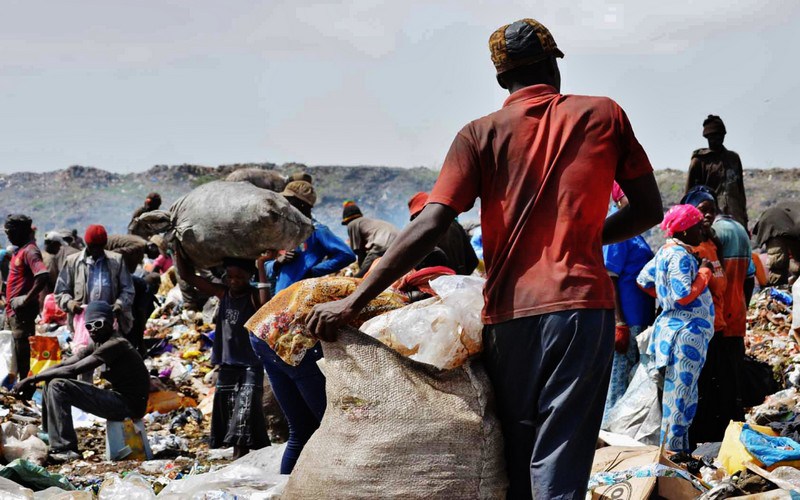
<point x="17" y="302"/>
<point x="117" y="308"/>
<point x="326" y="319"/>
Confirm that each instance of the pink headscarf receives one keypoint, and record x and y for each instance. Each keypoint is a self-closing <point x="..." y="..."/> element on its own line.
<point x="616" y="192"/>
<point x="680" y="218"/>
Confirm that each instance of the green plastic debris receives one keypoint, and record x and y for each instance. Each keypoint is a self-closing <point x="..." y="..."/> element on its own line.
<point x="33" y="476"/>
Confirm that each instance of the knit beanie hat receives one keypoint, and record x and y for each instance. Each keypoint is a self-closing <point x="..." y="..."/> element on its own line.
<point x="96" y="235"/>
<point x="350" y="212"/>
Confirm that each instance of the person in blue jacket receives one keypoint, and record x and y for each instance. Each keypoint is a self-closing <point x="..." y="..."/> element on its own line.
<point x="634" y="311"/>
<point x="300" y="390"/>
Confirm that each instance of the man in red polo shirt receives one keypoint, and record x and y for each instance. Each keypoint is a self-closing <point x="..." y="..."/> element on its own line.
<point x="543" y="166"/>
<point x="27" y="277"/>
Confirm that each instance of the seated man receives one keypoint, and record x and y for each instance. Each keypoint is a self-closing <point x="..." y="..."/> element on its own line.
<point x="127" y="373"/>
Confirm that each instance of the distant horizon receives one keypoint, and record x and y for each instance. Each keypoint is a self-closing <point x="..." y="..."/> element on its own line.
<point x="280" y="165"/>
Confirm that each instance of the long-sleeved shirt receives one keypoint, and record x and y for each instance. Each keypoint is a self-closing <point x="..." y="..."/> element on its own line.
<point x="722" y="172"/>
<point x="321" y="254"/>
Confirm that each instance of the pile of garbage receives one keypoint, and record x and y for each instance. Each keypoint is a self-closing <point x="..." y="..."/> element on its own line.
<point x="177" y="422"/>
<point x="769" y="334"/>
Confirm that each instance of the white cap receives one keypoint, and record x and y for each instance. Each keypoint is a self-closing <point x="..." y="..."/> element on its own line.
<point x="54" y="236"/>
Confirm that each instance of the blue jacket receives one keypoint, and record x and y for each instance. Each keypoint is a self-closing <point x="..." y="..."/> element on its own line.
<point x="321" y="254"/>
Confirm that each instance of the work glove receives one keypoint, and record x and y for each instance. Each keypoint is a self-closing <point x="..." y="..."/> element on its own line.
<point x="74" y="307"/>
<point x="17" y="302"/>
<point x="622" y="338"/>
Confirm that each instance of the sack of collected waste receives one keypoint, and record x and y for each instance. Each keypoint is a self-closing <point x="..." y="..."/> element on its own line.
<point x="395" y="428"/>
<point x="281" y="321"/>
<point x="442" y="331"/>
<point x="265" y="179"/>
<point x="229" y="219"/>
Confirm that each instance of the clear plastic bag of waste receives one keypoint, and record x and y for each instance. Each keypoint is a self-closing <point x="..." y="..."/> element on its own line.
<point x="442" y="331"/>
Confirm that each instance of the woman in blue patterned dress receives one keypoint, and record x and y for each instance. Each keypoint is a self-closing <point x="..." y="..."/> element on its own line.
<point x="686" y="324"/>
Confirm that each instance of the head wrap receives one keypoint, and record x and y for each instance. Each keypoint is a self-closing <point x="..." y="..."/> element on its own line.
<point x="96" y="235"/>
<point x="680" y="218"/>
<point x="698" y="194"/>
<point x="713" y="125"/>
<point x="99" y="310"/>
<point x="521" y="43"/>
<point x="19" y="221"/>
<point x="417" y="203"/>
<point x="350" y="212"/>
<point x="616" y="192"/>
<point x="243" y="264"/>
<point x="302" y="190"/>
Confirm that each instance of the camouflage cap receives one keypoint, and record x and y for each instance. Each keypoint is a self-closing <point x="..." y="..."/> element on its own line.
<point x="521" y="43"/>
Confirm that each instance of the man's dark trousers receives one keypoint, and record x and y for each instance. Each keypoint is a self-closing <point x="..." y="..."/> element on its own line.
<point x="550" y="375"/>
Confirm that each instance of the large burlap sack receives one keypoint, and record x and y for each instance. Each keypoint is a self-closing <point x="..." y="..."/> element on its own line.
<point x="265" y="179"/>
<point x="230" y="219"/>
<point x="394" y="428"/>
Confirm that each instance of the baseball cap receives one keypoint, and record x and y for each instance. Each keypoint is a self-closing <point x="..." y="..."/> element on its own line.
<point x="521" y="43"/>
<point x="301" y="190"/>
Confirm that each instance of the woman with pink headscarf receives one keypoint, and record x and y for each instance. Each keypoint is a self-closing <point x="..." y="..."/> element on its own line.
<point x="686" y="324"/>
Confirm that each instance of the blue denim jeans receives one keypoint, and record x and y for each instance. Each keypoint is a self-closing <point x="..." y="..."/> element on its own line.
<point x="300" y="392"/>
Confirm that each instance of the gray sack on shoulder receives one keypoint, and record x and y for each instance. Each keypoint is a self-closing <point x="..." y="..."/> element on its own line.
<point x="230" y="219"/>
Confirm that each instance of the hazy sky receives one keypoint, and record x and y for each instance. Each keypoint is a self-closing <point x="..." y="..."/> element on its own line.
<point x="126" y="85"/>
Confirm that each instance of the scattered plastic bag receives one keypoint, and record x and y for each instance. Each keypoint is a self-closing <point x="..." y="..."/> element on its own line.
<point x="132" y="487"/>
<point x="442" y="331"/>
<point x="45" y="353"/>
<point x="33" y="476"/>
<point x="54" y="493"/>
<point x="769" y="450"/>
<point x="51" y="313"/>
<point x="8" y="360"/>
<point x="9" y="490"/>
<point x="21" y="442"/>
<point x="637" y="413"/>
<point x="170" y="444"/>
<point x="256" y="475"/>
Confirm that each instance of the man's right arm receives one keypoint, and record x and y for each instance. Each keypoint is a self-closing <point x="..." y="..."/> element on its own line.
<point x="415" y="241"/>
<point x="644" y="210"/>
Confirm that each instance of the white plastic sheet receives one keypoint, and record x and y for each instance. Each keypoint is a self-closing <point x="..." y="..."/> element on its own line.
<point x="637" y="413"/>
<point x="256" y="475"/>
<point x="8" y="361"/>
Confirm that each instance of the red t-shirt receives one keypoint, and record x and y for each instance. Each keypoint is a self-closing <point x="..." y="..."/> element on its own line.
<point x="543" y="254"/>
<point x="25" y="265"/>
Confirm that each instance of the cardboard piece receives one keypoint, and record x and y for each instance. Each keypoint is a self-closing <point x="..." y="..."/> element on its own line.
<point x="618" y="458"/>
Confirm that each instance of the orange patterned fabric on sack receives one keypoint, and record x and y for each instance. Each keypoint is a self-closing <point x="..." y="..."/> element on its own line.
<point x="281" y="321"/>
